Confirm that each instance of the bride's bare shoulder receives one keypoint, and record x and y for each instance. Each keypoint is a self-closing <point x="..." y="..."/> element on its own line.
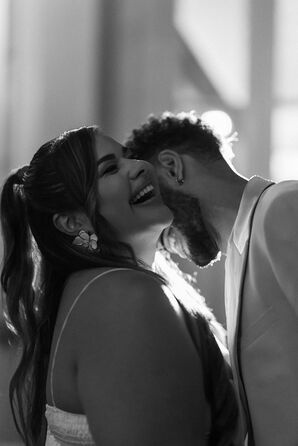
<point x="111" y="278"/>
<point x="105" y="285"/>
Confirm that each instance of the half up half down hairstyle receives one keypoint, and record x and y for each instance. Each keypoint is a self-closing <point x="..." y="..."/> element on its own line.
<point x="38" y="258"/>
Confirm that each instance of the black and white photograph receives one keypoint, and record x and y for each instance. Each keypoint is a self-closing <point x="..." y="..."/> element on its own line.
<point x="148" y="223"/>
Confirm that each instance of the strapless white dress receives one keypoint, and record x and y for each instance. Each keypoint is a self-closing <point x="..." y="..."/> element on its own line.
<point x="65" y="428"/>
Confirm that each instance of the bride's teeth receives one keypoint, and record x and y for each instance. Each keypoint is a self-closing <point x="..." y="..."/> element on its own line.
<point x="143" y="192"/>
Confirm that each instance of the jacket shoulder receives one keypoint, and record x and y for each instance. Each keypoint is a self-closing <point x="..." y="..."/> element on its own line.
<point x="278" y="207"/>
<point x="278" y="197"/>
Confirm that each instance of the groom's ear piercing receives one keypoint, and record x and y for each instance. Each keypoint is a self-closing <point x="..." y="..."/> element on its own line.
<point x="180" y="181"/>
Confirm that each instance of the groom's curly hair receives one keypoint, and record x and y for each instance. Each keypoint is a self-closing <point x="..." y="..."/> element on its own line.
<point x="182" y="132"/>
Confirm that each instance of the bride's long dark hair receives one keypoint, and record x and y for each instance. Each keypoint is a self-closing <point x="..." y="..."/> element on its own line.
<point x="38" y="258"/>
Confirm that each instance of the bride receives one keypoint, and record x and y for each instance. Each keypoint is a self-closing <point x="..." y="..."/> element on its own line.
<point x="111" y="353"/>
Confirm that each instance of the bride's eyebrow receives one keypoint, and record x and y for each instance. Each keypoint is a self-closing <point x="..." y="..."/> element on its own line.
<point x="108" y="157"/>
<point x="112" y="156"/>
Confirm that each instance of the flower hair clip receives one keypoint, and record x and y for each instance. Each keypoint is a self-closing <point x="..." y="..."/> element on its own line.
<point x="86" y="240"/>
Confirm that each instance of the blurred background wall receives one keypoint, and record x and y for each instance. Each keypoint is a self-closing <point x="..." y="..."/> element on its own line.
<point x="66" y="63"/>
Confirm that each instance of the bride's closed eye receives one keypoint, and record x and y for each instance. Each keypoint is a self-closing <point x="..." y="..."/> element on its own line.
<point x="110" y="169"/>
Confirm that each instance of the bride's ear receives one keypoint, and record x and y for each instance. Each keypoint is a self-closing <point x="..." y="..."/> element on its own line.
<point x="71" y="223"/>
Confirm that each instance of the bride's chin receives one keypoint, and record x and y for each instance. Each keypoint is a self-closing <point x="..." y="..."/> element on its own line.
<point x="167" y="213"/>
<point x="170" y="217"/>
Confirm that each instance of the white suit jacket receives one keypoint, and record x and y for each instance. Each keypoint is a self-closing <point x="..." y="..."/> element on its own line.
<point x="261" y="293"/>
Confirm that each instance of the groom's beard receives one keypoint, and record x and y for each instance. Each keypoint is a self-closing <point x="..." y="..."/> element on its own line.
<point x="198" y="234"/>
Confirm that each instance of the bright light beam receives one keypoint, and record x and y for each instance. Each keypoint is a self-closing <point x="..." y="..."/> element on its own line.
<point x="219" y="121"/>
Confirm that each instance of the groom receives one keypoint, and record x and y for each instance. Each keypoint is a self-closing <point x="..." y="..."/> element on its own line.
<point x="255" y="223"/>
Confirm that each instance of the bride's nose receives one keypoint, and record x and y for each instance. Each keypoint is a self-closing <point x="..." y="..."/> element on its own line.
<point x="137" y="168"/>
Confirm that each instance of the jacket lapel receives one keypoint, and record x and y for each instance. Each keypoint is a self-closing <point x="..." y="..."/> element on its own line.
<point x="237" y="255"/>
<point x="235" y="269"/>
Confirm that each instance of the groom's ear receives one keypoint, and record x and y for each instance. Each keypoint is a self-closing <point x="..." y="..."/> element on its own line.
<point x="170" y="165"/>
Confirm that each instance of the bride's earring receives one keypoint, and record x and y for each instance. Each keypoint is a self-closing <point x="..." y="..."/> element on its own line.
<point x="86" y="240"/>
<point x="180" y="181"/>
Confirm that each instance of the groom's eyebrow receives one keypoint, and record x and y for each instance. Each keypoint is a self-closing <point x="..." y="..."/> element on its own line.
<point x="127" y="153"/>
<point x="124" y="151"/>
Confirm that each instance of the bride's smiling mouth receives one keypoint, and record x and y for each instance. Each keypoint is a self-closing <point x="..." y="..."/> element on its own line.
<point x="144" y="194"/>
